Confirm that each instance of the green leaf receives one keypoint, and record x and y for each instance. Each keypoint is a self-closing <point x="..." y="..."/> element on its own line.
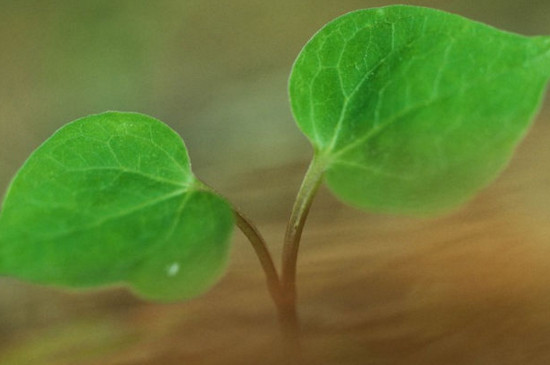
<point x="111" y="199"/>
<point x="413" y="110"/>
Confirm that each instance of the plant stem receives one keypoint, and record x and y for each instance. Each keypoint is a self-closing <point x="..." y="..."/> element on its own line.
<point x="310" y="185"/>
<point x="291" y="354"/>
<point x="287" y="319"/>
<point x="283" y="291"/>
<point x="260" y="247"/>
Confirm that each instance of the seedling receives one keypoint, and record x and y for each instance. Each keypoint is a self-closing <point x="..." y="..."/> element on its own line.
<point x="409" y="111"/>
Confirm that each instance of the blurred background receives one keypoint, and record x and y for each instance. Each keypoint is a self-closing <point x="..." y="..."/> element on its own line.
<point x="469" y="288"/>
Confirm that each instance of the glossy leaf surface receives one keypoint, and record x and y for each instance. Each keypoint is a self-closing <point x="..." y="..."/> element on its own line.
<point x="111" y="199"/>
<point x="413" y="110"/>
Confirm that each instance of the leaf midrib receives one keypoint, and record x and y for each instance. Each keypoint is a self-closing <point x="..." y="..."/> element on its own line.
<point x="423" y="104"/>
<point x="121" y="214"/>
<point x="121" y="169"/>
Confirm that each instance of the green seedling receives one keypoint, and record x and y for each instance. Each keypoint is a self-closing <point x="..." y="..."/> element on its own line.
<point x="409" y="110"/>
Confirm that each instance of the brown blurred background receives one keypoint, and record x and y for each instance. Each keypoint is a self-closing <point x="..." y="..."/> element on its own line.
<point x="469" y="288"/>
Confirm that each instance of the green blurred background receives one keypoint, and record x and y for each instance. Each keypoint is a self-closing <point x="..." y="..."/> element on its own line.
<point x="215" y="71"/>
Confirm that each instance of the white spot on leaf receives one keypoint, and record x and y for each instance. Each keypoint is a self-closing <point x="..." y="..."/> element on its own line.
<point x="173" y="269"/>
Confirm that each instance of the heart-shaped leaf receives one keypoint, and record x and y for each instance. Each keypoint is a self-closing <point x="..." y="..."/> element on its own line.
<point x="111" y="199"/>
<point x="413" y="110"/>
